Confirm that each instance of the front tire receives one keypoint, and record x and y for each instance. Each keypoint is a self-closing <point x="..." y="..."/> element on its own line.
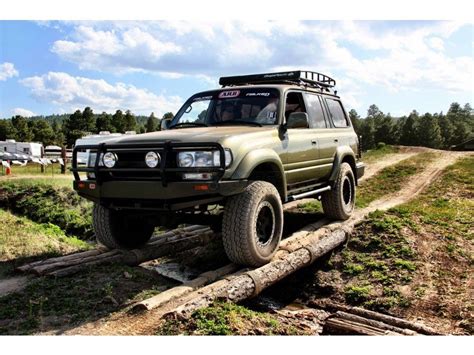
<point x="253" y="224"/>
<point x="339" y="202"/>
<point x="119" y="229"/>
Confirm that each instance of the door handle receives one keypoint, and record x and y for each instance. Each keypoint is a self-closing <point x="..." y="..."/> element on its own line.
<point x="314" y="142"/>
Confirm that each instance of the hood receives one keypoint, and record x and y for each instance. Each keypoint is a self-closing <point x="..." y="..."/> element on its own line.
<point x="215" y="134"/>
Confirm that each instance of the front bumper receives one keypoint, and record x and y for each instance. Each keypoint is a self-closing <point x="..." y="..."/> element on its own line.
<point x="153" y="195"/>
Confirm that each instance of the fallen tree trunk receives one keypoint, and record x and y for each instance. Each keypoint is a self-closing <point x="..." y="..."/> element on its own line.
<point x="185" y="288"/>
<point x="347" y="327"/>
<point x="375" y="324"/>
<point x="387" y="319"/>
<point x="164" y="244"/>
<point x="253" y="282"/>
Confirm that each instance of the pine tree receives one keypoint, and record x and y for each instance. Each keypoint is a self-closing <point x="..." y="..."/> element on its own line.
<point x="42" y="132"/>
<point x="447" y="130"/>
<point x="152" y="123"/>
<point x="355" y="118"/>
<point x="429" y="132"/>
<point x="118" y="121"/>
<point x="367" y="130"/>
<point x="22" y="129"/>
<point x="7" y="130"/>
<point x="409" y="130"/>
<point x="88" y="121"/>
<point x="130" y="122"/>
<point x="73" y="128"/>
<point x="104" y="123"/>
<point x="59" y="137"/>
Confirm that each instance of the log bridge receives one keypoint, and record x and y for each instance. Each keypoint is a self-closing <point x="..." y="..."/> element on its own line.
<point x="234" y="283"/>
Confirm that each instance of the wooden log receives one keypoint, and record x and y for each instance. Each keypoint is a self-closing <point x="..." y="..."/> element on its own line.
<point x="253" y="282"/>
<point x="83" y="254"/>
<point x="289" y="244"/>
<point x="347" y="327"/>
<point x="76" y="268"/>
<point x="374" y="323"/>
<point x="150" y="252"/>
<point x="185" y="288"/>
<point x="44" y="269"/>
<point x="167" y="243"/>
<point x="394" y="321"/>
<point x="137" y="256"/>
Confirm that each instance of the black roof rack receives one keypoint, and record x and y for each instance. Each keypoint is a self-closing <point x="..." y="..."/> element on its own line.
<point x="299" y="77"/>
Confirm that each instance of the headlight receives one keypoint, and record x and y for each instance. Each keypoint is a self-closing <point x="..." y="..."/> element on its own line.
<point x="109" y="159"/>
<point x="200" y="159"/>
<point x="152" y="159"/>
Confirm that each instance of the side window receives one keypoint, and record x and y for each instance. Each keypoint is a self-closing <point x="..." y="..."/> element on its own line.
<point x="315" y="111"/>
<point x="337" y="113"/>
<point x="294" y="103"/>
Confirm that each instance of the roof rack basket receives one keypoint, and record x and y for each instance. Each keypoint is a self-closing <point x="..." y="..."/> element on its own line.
<point x="298" y="77"/>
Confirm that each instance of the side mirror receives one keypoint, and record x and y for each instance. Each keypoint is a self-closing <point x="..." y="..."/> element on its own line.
<point x="298" y="120"/>
<point x="165" y="124"/>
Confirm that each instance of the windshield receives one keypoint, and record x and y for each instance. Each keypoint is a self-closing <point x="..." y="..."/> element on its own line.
<point x="257" y="106"/>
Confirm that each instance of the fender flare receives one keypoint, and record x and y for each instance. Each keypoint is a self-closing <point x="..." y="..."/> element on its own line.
<point x="341" y="153"/>
<point x="256" y="157"/>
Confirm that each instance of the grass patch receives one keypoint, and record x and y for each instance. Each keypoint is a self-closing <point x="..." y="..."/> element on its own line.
<point x="225" y="318"/>
<point x="49" y="303"/>
<point x="379" y="152"/>
<point x="22" y="240"/>
<point x="357" y="294"/>
<point x="414" y="260"/>
<point x="391" y="179"/>
<point x="44" y="203"/>
<point x="311" y="206"/>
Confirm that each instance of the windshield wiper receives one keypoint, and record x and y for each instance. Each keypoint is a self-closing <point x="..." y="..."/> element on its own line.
<point x="193" y="124"/>
<point x="231" y="122"/>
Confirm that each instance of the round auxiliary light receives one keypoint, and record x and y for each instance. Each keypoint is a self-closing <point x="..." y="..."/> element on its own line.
<point x="109" y="159"/>
<point x="152" y="159"/>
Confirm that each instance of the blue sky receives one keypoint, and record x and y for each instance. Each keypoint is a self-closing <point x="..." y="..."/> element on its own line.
<point x="57" y="67"/>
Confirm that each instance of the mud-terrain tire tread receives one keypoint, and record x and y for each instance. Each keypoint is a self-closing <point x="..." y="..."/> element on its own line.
<point x="332" y="201"/>
<point x="103" y="223"/>
<point x="238" y="210"/>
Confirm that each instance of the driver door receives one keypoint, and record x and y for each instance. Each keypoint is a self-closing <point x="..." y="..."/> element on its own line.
<point x="302" y="151"/>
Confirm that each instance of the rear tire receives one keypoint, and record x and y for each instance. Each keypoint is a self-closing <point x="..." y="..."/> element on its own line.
<point x="120" y="230"/>
<point x="253" y="224"/>
<point x="339" y="202"/>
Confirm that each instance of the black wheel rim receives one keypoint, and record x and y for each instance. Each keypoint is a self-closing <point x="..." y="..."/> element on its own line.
<point x="265" y="224"/>
<point x="347" y="191"/>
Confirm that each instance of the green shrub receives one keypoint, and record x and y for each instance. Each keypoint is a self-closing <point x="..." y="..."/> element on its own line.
<point x="47" y="204"/>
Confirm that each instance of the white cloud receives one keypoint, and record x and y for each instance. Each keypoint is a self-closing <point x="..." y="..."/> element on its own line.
<point x="129" y="50"/>
<point x="71" y="93"/>
<point x="407" y="56"/>
<point x="7" y="70"/>
<point x="22" y="112"/>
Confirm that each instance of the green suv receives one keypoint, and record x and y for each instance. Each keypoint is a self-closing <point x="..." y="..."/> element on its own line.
<point x="230" y="158"/>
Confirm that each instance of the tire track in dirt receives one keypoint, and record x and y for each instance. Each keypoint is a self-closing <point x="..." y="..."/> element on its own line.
<point x="146" y="323"/>
<point x="391" y="159"/>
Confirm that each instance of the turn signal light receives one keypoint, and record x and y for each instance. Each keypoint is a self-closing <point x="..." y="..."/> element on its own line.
<point x="201" y="187"/>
